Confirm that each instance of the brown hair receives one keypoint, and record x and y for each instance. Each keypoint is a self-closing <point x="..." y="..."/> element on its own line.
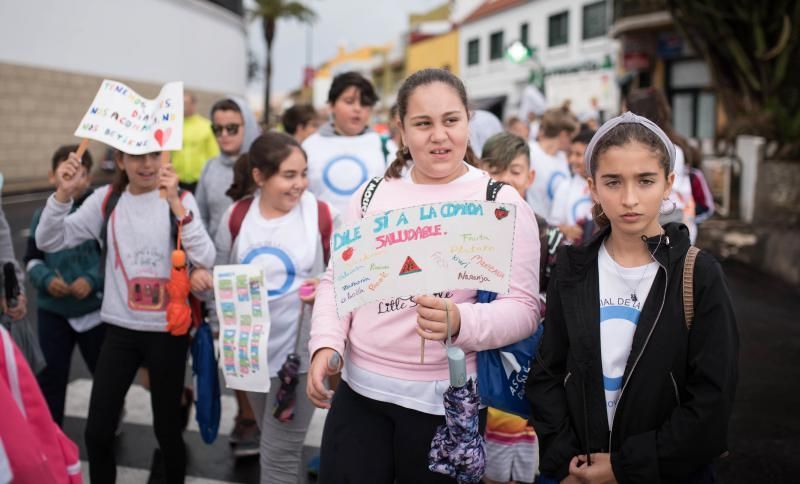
<point x="619" y="136"/>
<point x="556" y="120"/>
<point x="269" y="150"/>
<point x="501" y="149"/>
<point x="419" y="79"/>
<point x="62" y="153"/>
<point x="652" y="104"/>
<point x="243" y="184"/>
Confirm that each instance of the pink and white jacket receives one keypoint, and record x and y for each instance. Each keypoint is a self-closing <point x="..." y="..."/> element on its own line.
<point x="381" y="336"/>
<point x="33" y="446"/>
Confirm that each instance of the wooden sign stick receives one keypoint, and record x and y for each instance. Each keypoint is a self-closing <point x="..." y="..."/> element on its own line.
<point x="82" y="147"/>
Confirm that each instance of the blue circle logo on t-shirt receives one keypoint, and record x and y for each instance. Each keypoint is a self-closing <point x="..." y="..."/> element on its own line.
<point x="347" y="160"/>
<point x="617" y="319"/>
<point x="578" y="203"/>
<point x="283" y="257"/>
<point x="551" y="184"/>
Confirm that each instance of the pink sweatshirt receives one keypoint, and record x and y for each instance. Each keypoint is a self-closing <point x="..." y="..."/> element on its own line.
<point x="381" y="337"/>
<point x="33" y="445"/>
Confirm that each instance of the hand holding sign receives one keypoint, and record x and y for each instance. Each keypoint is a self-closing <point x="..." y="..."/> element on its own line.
<point x="432" y="318"/>
<point x="68" y="180"/>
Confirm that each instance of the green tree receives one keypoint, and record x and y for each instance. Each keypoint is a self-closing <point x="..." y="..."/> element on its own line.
<point x="269" y="12"/>
<point x="752" y="49"/>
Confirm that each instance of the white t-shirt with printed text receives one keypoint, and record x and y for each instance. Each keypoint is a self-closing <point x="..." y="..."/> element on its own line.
<point x="619" y="316"/>
<point x="285" y="251"/>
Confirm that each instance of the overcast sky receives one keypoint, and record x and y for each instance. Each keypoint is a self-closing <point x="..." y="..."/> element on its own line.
<point x="353" y="23"/>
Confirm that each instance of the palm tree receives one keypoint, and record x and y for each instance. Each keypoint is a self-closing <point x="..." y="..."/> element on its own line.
<point x="270" y="11"/>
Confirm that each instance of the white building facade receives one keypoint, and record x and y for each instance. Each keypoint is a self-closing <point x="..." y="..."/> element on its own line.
<point x="54" y="54"/>
<point x="572" y="53"/>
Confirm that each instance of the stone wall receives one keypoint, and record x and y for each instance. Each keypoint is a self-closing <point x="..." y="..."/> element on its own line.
<point x="39" y="111"/>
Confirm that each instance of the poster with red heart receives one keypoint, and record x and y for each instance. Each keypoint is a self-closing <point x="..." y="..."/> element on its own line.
<point x="122" y="119"/>
<point x="422" y="250"/>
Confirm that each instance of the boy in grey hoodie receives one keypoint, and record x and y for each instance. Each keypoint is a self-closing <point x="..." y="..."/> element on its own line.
<point x="235" y="128"/>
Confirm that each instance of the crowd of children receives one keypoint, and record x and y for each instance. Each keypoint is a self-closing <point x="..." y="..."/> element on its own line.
<point x="595" y="243"/>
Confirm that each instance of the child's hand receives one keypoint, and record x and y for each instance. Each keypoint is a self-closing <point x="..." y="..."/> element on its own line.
<point x="68" y="179"/>
<point x="57" y="287"/>
<point x="201" y="280"/>
<point x="432" y="318"/>
<point x="80" y="288"/>
<point x="168" y="180"/>
<point x="308" y="298"/>
<point x="573" y="233"/>
<point x="598" y="472"/>
<point x="326" y="362"/>
<point x="18" y="311"/>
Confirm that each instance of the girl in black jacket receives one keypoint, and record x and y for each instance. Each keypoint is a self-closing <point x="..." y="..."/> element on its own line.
<point x="624" y="388"/>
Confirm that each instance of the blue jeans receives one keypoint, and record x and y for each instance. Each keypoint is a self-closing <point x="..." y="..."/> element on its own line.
<point x="57" y="340"/>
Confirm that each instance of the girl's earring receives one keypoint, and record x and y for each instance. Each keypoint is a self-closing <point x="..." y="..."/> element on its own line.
<point x="671" y="210"/>
<point x="405" y="151"/>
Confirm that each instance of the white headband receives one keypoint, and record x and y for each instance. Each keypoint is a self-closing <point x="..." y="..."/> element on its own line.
<point x="628" y="118"/>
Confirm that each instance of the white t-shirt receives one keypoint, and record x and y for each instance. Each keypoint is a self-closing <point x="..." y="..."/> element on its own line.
<point x="338" y="165"/>
<point x="551" y="171"/>
<point x="619" y="315"/>
<point x="286" y="252"/>
<point x="572" y="204"/>
<point x="423" y="396"/>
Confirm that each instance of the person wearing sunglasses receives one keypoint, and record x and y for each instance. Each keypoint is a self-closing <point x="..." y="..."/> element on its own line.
<point x="235" y="128"/>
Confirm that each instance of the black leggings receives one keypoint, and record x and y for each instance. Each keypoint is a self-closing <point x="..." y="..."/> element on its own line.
<point x="367" y="441"/>
<point x="123" y="352"/>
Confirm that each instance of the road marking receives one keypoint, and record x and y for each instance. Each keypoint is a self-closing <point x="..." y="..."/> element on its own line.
<point x="138" y="411"/>
<point x="130" y="475"/>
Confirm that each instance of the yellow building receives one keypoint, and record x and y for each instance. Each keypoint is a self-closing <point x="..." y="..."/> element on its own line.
<point x="438" y="51"/>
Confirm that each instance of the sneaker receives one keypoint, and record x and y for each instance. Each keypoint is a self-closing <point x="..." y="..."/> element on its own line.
<point x="245" y="438"/>
<point x="240" y="428"/>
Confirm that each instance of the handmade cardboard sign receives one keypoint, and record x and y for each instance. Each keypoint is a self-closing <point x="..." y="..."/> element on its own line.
<point x="244" y="322"/>
<point x="121" y="118"/>
<point x="422" y="250"/>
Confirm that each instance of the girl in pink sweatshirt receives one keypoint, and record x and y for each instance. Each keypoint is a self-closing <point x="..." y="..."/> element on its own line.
<point x="386" y="410"/>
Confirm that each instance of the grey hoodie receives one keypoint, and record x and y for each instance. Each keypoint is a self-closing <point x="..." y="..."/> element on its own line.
<point x="217" y="174"/>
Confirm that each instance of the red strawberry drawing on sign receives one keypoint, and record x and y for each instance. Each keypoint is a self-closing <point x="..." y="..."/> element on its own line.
<point x="501" y="213"/>
<point x="347" y="254"/>
<point x="162" y="135"/>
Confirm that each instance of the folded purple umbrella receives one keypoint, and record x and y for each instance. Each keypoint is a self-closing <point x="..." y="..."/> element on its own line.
<point x="457" y="447"/>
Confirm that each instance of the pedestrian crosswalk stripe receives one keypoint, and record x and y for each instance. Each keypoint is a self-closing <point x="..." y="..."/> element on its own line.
<point x="138" y="411"/>
<point x="130" y="475"/>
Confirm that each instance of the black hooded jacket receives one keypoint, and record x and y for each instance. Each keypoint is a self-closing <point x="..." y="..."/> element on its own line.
<point x="678" y="388"/>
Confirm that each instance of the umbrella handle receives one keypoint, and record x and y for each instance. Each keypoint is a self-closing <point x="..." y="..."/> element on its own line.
<point x="456" y="359"/>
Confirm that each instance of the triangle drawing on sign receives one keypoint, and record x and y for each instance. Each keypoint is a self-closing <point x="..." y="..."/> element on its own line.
<point x="409" y="267"/>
